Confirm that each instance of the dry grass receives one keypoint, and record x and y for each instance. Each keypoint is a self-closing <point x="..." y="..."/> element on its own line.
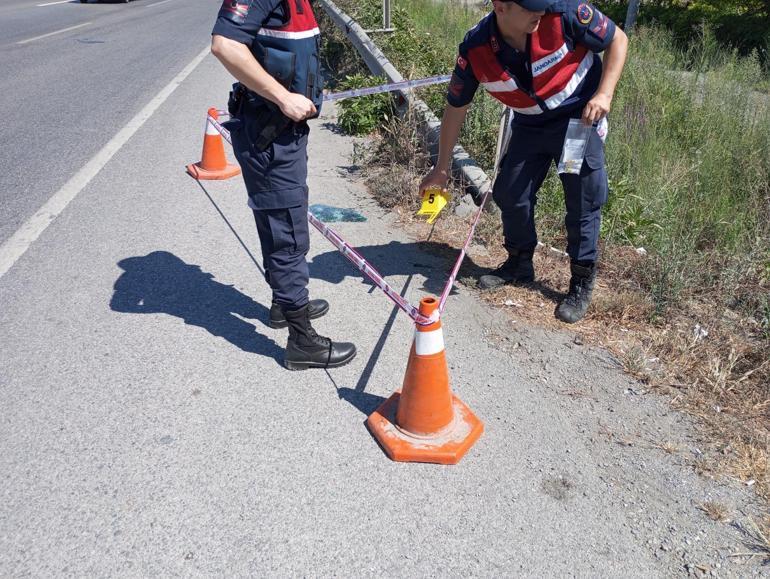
<point x="667" y="447"/>
<point x="762" y="536"/>
<point x="758" y="539"/>
<point x="721" y="377"/>
<point x="715" y="511"/>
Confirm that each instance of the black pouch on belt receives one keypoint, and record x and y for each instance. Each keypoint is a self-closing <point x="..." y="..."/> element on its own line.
<point x="270" y="123"/>
<point x="235" y="106"/>
<point x="235" y="102"/>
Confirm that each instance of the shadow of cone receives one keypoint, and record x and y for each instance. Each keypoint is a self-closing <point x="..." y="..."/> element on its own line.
<point x="213" y="163"/>
<point x="425" y="422"/>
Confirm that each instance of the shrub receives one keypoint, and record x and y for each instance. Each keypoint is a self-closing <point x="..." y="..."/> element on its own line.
<point x="363" y="115"/>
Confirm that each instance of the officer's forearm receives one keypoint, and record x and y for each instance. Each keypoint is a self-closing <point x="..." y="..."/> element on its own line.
<point x="614" y="59"/>
<point x="240" y="62"/>
<point x="451" y="123"/>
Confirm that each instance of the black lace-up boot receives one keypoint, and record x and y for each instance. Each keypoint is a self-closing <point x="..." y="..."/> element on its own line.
<point x="517" y="269"/>
<point x="306" y="349"/>
<point x="581" y="285"/>
<point x="277" y="320"/>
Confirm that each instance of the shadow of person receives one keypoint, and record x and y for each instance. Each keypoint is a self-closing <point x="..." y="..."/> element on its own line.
<point x="428" y="258"/>
<point x="365" y="402"/>
<point x="161" y="283"/>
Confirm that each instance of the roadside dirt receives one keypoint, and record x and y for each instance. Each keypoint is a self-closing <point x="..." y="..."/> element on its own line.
<point x="650" y="456"/>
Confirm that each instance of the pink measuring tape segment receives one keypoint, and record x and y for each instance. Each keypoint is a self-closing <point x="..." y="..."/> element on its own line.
<point x="364" y="267"/>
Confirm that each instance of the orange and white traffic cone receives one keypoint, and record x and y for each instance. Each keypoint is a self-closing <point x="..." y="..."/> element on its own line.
<point x="425" y="422"/>
<point x="213" y="163"/>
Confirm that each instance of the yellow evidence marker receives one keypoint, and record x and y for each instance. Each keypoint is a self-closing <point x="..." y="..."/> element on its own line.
<point x="434" y="199"/>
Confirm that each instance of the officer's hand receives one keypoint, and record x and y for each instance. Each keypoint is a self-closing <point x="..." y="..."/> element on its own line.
<point x="436" y="178"/>
<point x="597" y="108"/>
<point x="297" y="107"/>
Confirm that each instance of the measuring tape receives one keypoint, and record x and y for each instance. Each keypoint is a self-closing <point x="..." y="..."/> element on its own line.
<point x="379" y="89"/>
<point x="389" y="87"/>
<point x="350" y="252"/>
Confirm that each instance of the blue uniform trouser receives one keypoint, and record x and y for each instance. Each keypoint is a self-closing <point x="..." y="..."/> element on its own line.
<point x="285" y="241"/>
<point x="276" y="181"/>
<point x="522" y="170"/>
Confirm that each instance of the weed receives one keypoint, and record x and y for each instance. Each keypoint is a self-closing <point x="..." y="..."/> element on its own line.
<point x="715" y="511"/>
<point x="668" y="447"/>
<point x="363" y="115"/>
<point x="634" y="361"/>
<point x="758" y="539"/>
<point x="689" y="181"/>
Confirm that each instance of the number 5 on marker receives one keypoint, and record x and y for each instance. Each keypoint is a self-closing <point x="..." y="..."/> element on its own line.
<point x="434" y="200"/>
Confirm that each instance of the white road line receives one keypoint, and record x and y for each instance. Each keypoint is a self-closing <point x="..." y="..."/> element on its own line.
<point x="57" y="2"/>
<point x="26" y="235"/>
<point x="157" y="3"/>
<point x="52" y="33"/>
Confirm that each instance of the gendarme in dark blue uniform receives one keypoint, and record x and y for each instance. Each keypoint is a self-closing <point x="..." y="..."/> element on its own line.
<point x="284" y="38"/>
<point x="286" y="43"/>
<point x="541" y="116"/>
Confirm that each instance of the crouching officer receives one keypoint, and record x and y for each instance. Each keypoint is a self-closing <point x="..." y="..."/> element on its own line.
<point x="539" y="57"/>
<point x="271" y="47"/>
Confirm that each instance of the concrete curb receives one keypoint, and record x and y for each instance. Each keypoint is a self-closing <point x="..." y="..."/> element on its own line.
<point x="471" y="175"/>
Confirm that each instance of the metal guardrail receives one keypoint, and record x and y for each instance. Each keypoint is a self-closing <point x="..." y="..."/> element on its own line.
<point x="471" y="174"/>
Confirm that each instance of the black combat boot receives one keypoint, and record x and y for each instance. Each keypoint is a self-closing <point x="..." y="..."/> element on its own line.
<point x="306" y="349"/>
<point x="574" y="306"/>
<point x="517" y="269"/>
<point x="277" y="320"/>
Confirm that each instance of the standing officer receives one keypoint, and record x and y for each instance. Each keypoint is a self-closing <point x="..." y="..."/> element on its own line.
<point x="539" y="57"/>
<point x="271" y="48"/>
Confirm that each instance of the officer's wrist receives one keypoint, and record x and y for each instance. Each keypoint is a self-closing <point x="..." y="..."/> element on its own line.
<point x="604" y="93"/>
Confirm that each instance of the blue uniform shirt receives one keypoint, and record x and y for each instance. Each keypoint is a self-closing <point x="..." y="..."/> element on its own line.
<point x="582" y="24"/>
<point x="240" y="20"/>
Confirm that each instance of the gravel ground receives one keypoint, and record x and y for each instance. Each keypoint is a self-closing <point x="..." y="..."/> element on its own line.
<point x="148" y="427"/>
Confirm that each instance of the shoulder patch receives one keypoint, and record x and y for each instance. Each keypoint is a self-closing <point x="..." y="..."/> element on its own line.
<point x="235" y="10"/>
<point x="601" y="27"/>
<point x="584" y="13"/>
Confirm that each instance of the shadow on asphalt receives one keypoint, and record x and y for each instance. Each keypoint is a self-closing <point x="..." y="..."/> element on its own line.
<point x="230" y="226"/>
<point x="161" y="283"/>
<point x="365" y="402"/>
<point x="428" y="258"/>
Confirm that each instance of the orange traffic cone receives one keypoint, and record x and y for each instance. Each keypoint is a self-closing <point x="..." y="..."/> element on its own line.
<point x="213" y="164"/>
<point x="425" y="422"/>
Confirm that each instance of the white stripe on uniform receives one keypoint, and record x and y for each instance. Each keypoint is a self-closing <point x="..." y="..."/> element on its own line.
<point x="533" y="110"/>
<point x="286" y="34"/>
<point x="501" y="85"/>
<point x="573" y="83"/>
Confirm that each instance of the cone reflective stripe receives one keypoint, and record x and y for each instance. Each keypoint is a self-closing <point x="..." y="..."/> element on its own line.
<point x="425" y="422"/>
<point x="213" y="163"/>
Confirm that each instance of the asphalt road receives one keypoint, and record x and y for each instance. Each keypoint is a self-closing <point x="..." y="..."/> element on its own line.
<point x="148" y="428"/>
<point x="71" y="75"/>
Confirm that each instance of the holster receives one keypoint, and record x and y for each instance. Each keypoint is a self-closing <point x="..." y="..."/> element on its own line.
<point x="270" y="122"/>
<point x="235" y="102"/>
<point x="264" y="115"/>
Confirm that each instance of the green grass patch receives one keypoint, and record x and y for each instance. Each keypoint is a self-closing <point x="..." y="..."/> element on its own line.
<point x="688" y="153"/>
<point x="688" y="157"/>
<point x="363" y="115"/>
